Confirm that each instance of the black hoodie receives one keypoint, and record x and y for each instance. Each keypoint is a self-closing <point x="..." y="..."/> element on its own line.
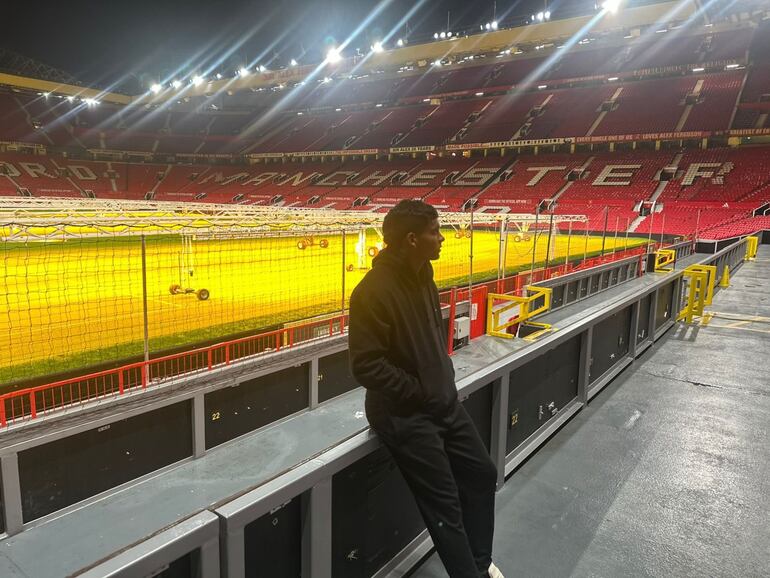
<point x="397" y="341"/>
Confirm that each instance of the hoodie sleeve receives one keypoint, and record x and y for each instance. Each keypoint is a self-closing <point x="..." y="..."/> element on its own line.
<point x="369" y="343"/>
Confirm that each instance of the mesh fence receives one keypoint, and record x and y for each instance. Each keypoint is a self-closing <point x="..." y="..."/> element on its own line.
<point x="79" y="295"/>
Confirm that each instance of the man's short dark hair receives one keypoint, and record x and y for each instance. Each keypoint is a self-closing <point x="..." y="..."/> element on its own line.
<point x="408" y="216"/>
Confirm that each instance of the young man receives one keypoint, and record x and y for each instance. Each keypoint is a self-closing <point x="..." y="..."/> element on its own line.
<point x="398" y="352"/>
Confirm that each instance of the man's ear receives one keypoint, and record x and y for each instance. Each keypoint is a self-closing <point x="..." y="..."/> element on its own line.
<point x="411" y="239"/>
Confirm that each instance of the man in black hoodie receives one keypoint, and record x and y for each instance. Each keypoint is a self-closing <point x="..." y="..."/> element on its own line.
<point x="398" y="352"/>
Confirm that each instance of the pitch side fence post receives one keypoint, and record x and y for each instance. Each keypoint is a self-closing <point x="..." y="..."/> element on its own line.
<point x="144" y="301"/>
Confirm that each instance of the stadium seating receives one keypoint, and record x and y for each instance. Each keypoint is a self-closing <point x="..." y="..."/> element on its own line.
<point x="731" y="175"/>
<point x="569" y="112"/>
<point x="647" y="106"/>
<point x="738" y="228"/>
<point x="719" y="94"/>
<point x="688" y="219"/>
<point x="642" y="166"/>
<point x="550" y="92"/>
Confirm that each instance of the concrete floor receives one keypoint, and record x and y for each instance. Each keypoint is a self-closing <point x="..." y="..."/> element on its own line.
<point x="667" y="471"/>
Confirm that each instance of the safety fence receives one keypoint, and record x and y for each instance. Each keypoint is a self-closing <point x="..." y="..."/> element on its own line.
<point x="29" y="403"/>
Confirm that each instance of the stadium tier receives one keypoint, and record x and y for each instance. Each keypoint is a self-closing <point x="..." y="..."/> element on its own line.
<point x="606" y="86"/>
<point x="692" y="82"/>
<point x="721" y="184"/>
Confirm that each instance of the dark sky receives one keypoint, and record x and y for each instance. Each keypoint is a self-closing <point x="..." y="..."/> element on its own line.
<point x="107" y="41"/>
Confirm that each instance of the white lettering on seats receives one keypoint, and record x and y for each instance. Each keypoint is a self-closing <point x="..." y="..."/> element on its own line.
<point x="35" y="170"/>
<point x="9" y="170"/>
<point x="331" y="180"/>
<point x="695" y="170"/>
<point x="610" y="173"/>
<point x="376" y="179"/>
<point x="220" y="179"/>
<point x="426" y="175"/>
<point x="476" y="177"/>
<point x="82" y="172"/>
<point x="297" y="179"/>
<point x="261" y="178"/>
<point x="541" y="172"/>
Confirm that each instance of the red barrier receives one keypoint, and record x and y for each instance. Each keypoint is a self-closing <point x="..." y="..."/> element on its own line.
<point x="31" y="402"/>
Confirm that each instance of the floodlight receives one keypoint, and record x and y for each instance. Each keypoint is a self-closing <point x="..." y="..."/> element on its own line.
<point x="262" y="68"/>
<point x="243" y="71"/>
<point x="293" y="62"/>
<point x="611" y="6"/>
<point x="547" y="15"/>
<point x="400" y="42"/>
<point x="377" y="47"/>
<point x="435" y="35"/>
<point x="176" y="84"/>
<point x="70" y="98"/>
<point x="494" y="25"/>
<point x="540" y="16"/>
<point x="197" y="80"/>
<point x="437" y="63"/>
<point x="333" y="55"/>
<point x="219" y="76"/>
<point x="442" y="35"/>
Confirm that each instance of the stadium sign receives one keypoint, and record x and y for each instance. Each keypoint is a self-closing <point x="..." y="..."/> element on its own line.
<point x="267" y="155"/>
<point x="421" y="149"/>
<point x="507" y="144"/>
<point x="341" y="153"/>
<point x="644" y="136"/>
<point x="749" y="132"/>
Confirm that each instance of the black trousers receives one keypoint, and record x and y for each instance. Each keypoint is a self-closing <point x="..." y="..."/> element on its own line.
<point x="453" y="480"/>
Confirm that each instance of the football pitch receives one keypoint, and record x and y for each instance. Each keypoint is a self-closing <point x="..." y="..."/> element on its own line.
<point x="78" y="303"/>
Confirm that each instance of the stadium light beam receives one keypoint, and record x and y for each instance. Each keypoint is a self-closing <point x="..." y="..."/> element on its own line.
<point x="378" y="47"/>
<point x="611" y="6"/>
<point x="197" y="80"/>
<point x="333" y="55"/>
<point x="293" y="62"/>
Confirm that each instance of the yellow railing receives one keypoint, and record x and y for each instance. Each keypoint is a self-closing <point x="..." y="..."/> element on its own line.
<point x="700" y="291"/>
<point x="517" y="310"/>
<point x="663" y="258"/>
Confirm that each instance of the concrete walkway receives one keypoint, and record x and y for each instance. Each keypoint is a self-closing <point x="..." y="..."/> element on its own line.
<point x="667" y="471"/>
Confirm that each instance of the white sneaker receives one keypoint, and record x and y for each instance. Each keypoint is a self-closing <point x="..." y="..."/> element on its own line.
<point x="494" y="572"/>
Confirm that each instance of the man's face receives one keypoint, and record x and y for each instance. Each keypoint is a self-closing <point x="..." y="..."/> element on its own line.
<point x="428" y="243"/>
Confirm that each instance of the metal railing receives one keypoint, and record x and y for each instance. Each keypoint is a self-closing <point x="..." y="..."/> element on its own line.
<point x="30" y="403"/>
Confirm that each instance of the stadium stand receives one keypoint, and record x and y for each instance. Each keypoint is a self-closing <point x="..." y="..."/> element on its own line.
<point x="557" y="95"/>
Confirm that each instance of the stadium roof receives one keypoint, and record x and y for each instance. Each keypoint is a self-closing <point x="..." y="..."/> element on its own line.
<point x="126" y="46"/>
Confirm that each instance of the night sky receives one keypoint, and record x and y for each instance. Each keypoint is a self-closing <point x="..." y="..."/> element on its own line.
<point x="130" y="42"/>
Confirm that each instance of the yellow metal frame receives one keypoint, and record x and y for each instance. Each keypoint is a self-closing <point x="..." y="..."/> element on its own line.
<point x="752" y="245"/>
<point x="700" y="292"/>
<point x="498" y="329"/>
<point x="664" y="257"/>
